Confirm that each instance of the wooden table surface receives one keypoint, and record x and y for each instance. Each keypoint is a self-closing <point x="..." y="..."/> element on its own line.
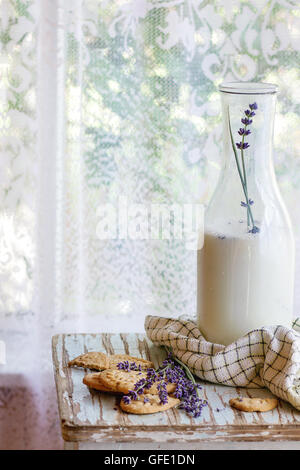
<point x="94" y="417"/>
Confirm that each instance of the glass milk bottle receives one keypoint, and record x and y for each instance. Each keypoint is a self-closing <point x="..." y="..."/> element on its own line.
<point x="246" y="265"/>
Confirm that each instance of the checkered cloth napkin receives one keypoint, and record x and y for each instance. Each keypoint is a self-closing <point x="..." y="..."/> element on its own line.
<point x="267" y="357"/>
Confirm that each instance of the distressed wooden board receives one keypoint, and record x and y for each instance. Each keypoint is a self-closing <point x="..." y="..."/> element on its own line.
<point x="188" y="446"/>
<point x="96" y="417"/>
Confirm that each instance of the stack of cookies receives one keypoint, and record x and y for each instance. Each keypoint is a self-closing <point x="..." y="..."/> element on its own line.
<point x="111" y="379"/>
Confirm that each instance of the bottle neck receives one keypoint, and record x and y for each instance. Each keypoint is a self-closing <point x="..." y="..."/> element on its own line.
<point x="247" y="189"/>
<point x="248" y="123"/>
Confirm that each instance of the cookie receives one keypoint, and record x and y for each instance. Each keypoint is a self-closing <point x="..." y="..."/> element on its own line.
<point x="147" y="404"/>
<point x="92" y="381"/>
<point x="122" y="381"/>
<point x="254" y="404"/>
<point x="114" y="360"/>
<point x="91" y="360"/>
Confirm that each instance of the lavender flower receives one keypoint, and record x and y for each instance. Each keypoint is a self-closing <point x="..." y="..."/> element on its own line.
<point x="246" y="121"/>
<point x="133" y="394"/>
<point x="171" y="371"/>
<point x="244" y="204"/>
<point x="125" y="365"/>
<point x="139" y="386"/>
<point x="243" y="131"/>
<point x="126" y="399"/>
<point x="254" y="229"/>
<point x="162" y="392"/>
<point x="242" y="145"/>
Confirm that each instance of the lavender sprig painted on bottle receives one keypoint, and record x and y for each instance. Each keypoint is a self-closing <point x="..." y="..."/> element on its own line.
<point x="242" y="146"/>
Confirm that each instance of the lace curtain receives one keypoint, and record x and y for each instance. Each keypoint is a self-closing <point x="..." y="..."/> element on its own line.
<point x="102" y="99"/>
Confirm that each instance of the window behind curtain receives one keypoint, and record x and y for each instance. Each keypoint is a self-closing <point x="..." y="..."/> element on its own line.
<point x="130" y="91"/>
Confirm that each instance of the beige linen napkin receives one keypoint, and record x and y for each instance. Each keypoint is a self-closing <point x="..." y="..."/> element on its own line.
<point x="266" y="357"/>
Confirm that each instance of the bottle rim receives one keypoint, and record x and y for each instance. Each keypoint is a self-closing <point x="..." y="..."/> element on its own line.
<point x="248" y="88"/>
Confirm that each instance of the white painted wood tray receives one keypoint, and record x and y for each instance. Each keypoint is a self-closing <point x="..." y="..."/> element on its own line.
<point x="91" y="419"/>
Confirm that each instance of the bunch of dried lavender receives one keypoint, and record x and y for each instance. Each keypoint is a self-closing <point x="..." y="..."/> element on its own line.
<point x="172" y="371"/>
